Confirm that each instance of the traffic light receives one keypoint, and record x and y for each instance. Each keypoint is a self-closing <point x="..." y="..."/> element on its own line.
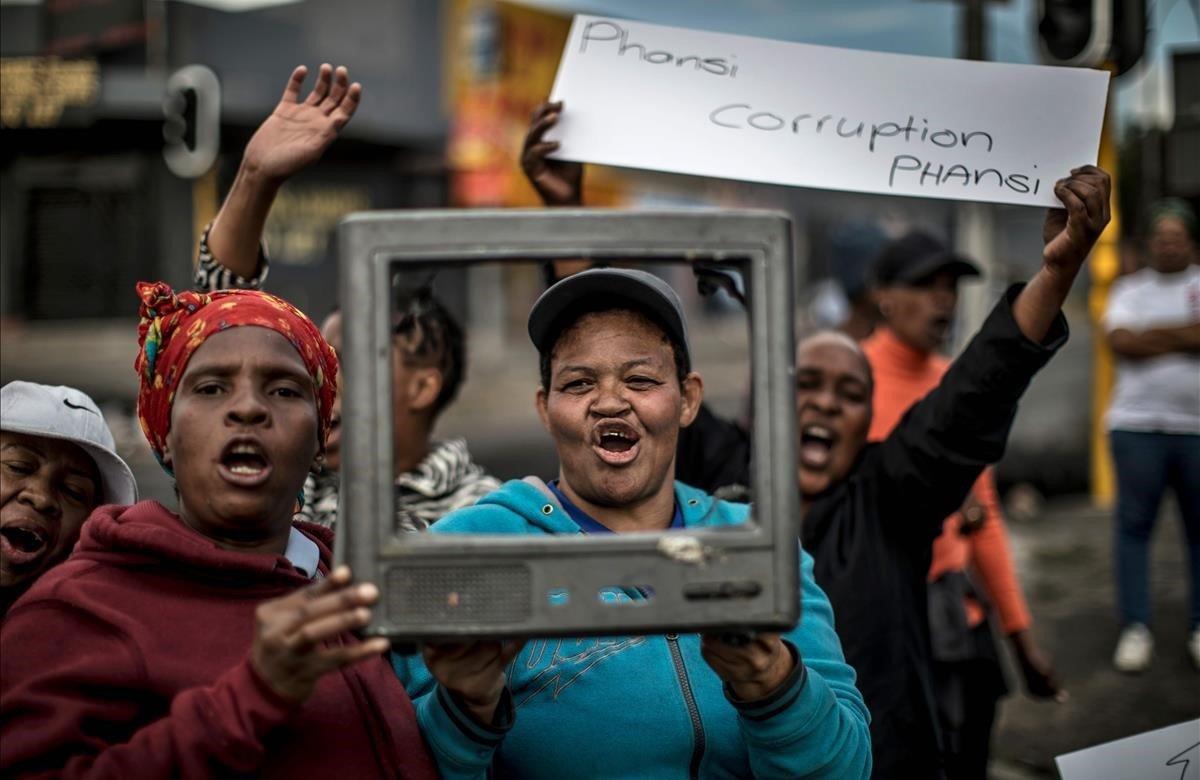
<point x="1086" y="33"/>
<point x="1075" y="32"/>
<point x="1129" y="34"/>
<point x="192" y="121"/>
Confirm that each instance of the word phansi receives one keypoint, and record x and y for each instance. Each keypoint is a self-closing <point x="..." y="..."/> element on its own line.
<point x="607" y="32"/>
<point x="938" y="174"/>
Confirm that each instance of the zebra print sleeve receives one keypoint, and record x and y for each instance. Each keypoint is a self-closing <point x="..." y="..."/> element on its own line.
<point x="212" y="276"/>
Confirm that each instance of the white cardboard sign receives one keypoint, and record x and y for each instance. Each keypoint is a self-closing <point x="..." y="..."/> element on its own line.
<point x="1172" y="753"/>
<point x="730" y="106"/>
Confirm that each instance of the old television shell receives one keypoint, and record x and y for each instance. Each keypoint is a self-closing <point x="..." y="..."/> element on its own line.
<point x="442" y="587"/>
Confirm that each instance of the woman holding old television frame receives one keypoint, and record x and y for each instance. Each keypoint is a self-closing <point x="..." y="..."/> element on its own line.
<point x="616" y="387"/>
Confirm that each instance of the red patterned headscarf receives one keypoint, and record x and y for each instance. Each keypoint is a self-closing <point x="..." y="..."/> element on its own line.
<point x="174" y="325"/>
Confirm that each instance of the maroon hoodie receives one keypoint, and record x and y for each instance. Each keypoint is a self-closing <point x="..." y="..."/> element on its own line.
<point x="131" y="659"/>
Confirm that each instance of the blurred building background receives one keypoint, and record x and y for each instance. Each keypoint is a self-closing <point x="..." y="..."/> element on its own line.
<point x="90" y="206"/>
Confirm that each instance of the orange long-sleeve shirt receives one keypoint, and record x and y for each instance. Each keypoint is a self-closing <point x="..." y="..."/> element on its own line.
<point x="903" y="376"/>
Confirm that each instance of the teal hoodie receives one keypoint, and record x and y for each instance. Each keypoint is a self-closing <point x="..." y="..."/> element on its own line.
<point x="644" y="706"/>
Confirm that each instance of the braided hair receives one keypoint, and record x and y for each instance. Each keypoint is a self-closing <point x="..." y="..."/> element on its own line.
<point x="428" y="336"/>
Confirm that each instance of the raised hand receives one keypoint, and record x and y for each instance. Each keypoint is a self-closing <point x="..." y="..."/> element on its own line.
<point x="1071" y="232"/>
<point x="558" y="182"/>
<point x="297" y="132"/>
<point x="289" y="650"/>
<point x="473" y="672"/>
<point x="754" y="669"/>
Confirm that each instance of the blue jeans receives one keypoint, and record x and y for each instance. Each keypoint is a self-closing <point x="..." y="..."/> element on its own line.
<point x="1147" y="464"/>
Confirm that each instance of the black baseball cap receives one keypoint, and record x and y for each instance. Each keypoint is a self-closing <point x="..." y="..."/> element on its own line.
<point x="642" y="290"/>
<point x="917" y="256"/>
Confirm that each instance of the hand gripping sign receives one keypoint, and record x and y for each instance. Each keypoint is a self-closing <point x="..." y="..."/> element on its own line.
<point x="741" y="577"/>
<point x="729" y="106"/>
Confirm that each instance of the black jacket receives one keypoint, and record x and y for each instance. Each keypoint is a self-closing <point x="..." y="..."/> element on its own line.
<point x="871" y="535"/>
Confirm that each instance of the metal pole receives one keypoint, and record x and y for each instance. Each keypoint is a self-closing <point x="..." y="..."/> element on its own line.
<point x="156" y="35"/>
<point x="973" y="30"/>
<point x="974" y="224"/>
<point x="1105" y="266"/>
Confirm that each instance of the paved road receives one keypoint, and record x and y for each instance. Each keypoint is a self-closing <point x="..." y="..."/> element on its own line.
<point x="1065" y="560"/>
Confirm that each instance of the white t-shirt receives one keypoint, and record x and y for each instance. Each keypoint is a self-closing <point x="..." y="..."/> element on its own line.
<point x="1161" y="393"/>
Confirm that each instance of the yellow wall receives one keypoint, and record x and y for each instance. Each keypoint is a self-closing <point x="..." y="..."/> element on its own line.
<point x="1105" y="266"/>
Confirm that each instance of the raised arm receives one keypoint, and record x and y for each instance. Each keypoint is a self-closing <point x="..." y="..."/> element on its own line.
<point x="557" y="182"/>
<point x="931" y="459"/>
<point x="293" y="137"/>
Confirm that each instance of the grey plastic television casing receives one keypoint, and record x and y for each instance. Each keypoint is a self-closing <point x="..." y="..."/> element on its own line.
<point x="447" y="586"/>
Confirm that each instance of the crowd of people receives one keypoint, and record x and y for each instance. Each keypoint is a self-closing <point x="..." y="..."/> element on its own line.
<point x="217" y="637"/>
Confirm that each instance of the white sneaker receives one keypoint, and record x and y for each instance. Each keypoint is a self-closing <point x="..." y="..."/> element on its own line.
<point x="1194" y="647"/>
<point x="1134" y="649"/>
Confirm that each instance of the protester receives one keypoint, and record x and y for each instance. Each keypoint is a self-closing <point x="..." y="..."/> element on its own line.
<point x="214" y="641"/>
<point x="916" y="286"/>
<point x="57" y="463"/>
<point x="616" y="386"/>
<point x="433" y="477"/>
<point x="1153" y="327"/>
<point x="872" y="511"/>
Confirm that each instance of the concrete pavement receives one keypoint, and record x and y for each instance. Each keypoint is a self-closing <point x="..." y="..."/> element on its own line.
<point x="1065" y="560"/>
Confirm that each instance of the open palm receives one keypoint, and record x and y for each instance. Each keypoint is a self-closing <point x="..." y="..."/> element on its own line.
<point x="297" y="133"/>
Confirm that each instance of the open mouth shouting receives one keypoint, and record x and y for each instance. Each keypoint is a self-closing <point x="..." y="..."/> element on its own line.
<point x="244" y="463"/>
<point x="24" y="543"/>
<point x="615" y="442"/>
<point x="816" y="445"/>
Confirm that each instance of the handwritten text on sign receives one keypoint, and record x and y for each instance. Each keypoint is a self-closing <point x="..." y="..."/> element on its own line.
<point x="1172" y="753"/>
<point x="663" y="98"/>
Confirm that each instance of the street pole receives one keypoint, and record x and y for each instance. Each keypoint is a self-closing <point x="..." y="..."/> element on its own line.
<point x="1105" y="267"/>
<point x="972" y="30"/>
<point x="974" y="222"/>
<point x="156" y="36"/>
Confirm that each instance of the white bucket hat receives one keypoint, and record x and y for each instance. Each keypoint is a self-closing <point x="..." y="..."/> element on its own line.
<point x="58" y="412"/>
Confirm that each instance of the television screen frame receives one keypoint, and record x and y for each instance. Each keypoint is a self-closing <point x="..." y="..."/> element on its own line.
<point x="449" y="586"/>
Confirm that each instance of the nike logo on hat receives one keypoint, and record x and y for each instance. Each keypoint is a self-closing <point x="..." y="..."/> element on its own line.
<point x="70" y="405"/>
